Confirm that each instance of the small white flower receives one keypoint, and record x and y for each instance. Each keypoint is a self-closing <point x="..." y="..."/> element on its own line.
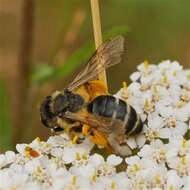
<point x="156" y="151"/>
<point x="186" y="183"/>
<point x="21" y="148"/>
<point x="156" y="176"/>
<point x="114" y="160"/>
<point x="168" y="65"/>
<point x="13" y="180"/>
<point x="6" y="159"/>
<point x="85" y="171"/>
<point x="174" y="182"/>
<point x="135" y="165"/>
<point x="180" y="164"/>
<point x="2" y="160"/>
<point x="145" y="67"/>
<point x="135" y="76"/>
<point x="136" y="141"/>
<point x="166" y="125"/>
<point x="178" y="147"/>
<point x="96" y="160"/>
<point x="159" y="157"/>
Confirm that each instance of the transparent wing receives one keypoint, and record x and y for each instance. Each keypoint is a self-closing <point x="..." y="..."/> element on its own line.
<point x="103" y="124"/>
<point x="107" y="55"/>
<point x="115" y="131"/>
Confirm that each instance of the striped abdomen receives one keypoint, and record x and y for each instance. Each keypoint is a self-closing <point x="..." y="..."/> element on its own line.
<point x="114" y="108"/>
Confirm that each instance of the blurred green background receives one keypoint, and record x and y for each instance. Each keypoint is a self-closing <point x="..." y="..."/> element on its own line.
<point x="44" y="42"/>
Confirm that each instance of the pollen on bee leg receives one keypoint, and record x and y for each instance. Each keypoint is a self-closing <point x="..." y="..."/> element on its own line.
<point x="99" y="138"/>
<point x="85" y="129"/>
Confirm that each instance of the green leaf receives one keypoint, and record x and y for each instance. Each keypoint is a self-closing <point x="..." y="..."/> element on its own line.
<point x="79" y="57"/>
<point x="117" y="30"/>
<point x="43" y="72"/>
<point x="187" y="135"/>
<point x="5" y="123"/>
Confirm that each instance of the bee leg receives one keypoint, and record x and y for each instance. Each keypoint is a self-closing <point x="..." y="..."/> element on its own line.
<point x="63" y="124"/>
<point x="96" y="137"/>
<point x="85" y="130"/>
<point x="75" y="139"/>
<point x="100" y="139"/>
<point x="96" y="88"/>
<point x="68" y="129"/>
<point x="73" y="136"/>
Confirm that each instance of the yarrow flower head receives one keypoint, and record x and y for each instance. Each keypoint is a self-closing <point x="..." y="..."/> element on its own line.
<point x="159" y="156"/>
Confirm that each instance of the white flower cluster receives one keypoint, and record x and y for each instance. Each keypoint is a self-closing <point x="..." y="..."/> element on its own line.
<point x="160" y="155"/>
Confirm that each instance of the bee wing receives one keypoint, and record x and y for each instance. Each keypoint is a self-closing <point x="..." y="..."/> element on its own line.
<point x="107" y="55"/>
<point x="114" y="131"/>
<point x="103" y="124"/>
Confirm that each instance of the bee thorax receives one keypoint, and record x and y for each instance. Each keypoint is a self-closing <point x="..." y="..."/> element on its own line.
<point x="75" y="102"/>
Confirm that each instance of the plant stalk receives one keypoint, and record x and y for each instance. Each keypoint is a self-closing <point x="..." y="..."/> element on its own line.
<point x="97" y="32"/>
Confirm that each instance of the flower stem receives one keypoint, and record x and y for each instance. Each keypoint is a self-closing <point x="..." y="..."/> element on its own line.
<point x="97" y="32"/>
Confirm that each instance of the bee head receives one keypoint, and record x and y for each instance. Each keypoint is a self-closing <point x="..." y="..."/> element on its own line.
<point x="51" y="108"/>
<point x="47" y="116"/>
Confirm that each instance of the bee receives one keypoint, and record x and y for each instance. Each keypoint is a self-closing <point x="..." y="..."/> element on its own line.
<point x="86" y="108"/>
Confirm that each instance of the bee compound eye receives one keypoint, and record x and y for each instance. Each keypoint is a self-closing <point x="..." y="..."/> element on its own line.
<point x="45" y="111"/>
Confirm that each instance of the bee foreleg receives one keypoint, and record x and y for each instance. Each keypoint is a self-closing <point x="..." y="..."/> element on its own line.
<point x="73" y="135"/>
<point x="85" y="130"/>
<point x="75" y="139"/>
